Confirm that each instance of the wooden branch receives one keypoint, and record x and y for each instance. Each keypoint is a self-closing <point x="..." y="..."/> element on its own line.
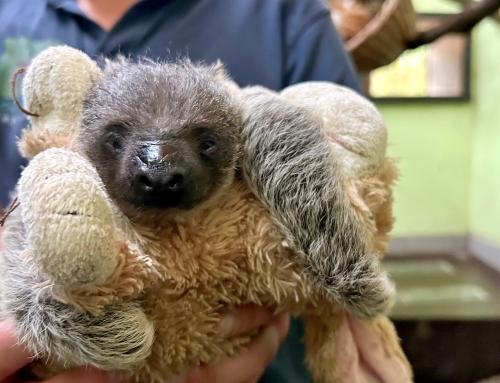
<point x="462" y="22"/>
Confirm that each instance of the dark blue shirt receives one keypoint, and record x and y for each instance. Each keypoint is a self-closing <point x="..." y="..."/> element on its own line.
<point x="274" y="43"/>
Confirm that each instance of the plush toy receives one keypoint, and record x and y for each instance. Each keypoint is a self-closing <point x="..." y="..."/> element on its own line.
<point x="293" y="212"/>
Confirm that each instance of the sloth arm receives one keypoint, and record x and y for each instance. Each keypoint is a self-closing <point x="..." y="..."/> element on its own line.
<point x="290" y="166"/>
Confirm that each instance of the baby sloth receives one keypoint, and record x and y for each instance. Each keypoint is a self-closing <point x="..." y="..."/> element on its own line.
<point x="230" y="197"/>
<point x="161" y="136"/>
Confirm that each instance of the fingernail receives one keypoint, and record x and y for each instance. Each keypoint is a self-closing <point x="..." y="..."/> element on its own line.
<point x="271" y="335"/>
<point x="228" y="324"/>
<point x="283" y="325"/>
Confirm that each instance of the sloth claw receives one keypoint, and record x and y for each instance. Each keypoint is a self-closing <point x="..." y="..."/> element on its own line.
<point x="365" y="292"/>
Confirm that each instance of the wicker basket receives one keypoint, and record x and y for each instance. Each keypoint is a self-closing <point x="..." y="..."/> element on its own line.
<point x="384" y="38"/>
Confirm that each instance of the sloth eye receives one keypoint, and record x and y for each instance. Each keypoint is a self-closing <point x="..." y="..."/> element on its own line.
<point x="116" y="144"/>
<point x="206" y="145"/>
<point x="114" y="141"/>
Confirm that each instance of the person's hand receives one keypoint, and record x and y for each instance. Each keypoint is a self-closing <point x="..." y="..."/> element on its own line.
<point x="246" y="367"/>
<point x="14" y="356"/>
<point x="250" y="364"/>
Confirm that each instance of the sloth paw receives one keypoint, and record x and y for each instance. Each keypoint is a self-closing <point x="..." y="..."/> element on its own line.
<point x="365" y="291"/>
<point x="68" y="219"/>
<point x="120" y="339"/>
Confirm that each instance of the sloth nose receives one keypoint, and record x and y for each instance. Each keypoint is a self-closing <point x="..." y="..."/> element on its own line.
<point x="160" y="177"/>
<point x="149" y="182"/>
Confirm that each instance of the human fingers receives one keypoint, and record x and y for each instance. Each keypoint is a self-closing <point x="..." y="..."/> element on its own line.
<point x="251" y="363"/>
<point x="13" y="356"/>
<point x="244" y="319"/>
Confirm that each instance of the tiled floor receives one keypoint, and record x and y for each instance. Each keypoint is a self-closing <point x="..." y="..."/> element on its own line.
<point x="447" y="314"/>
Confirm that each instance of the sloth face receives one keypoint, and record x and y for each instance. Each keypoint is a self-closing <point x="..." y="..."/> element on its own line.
<point x="161" y="135"/>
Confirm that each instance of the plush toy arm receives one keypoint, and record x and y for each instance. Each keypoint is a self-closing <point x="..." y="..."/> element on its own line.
<point x="68" y="219"/>
<point x="71" y="229"/>
<point x="289" y="165"/>
<point x="54" y="87"/>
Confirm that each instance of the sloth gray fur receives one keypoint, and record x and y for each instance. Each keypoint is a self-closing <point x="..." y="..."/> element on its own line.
<point x="289" y="164"/>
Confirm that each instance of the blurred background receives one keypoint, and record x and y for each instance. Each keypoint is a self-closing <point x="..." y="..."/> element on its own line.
<point x="441" y="103"/>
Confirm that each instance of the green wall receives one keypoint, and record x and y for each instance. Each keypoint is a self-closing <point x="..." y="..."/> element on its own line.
<point x="450" y="152"/>
<point x="433" y="142"/>
<point x="485" y="180"/>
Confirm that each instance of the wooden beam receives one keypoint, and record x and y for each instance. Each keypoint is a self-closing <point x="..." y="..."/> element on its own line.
<point x="461" y="22"/>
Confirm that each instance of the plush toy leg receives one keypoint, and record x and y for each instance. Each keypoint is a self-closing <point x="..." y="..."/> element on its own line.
<point x="342" y="349"/>
<point x="68" y="219"/>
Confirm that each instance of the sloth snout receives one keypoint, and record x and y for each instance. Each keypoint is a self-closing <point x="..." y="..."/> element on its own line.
<point x="159" y="186"/>
<point x="160" y="176"/>
<point x="150" y="181"/>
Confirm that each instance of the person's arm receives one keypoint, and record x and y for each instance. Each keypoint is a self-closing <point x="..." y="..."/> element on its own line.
<point x="245" y="367"/>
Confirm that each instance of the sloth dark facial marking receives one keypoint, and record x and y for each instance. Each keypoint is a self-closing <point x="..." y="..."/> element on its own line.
<point x="161" y="135"/>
